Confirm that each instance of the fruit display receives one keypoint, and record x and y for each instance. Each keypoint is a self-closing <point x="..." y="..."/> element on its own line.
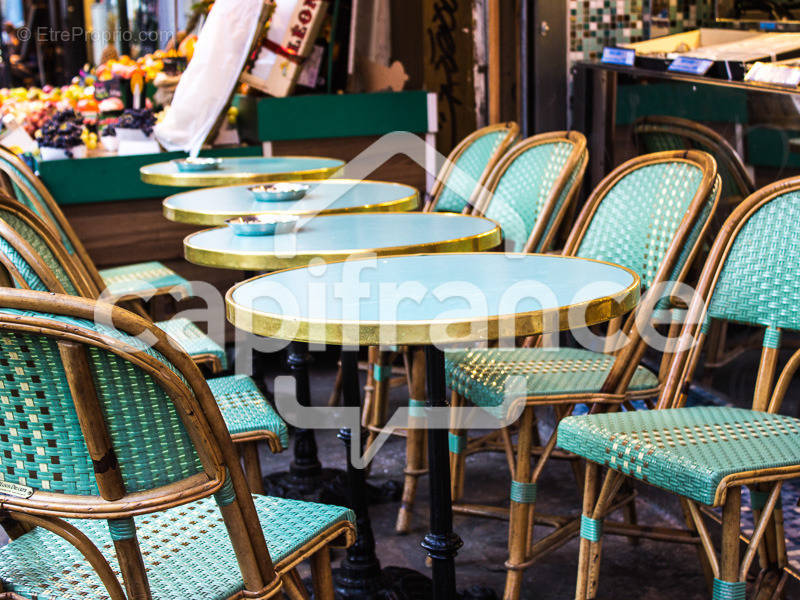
<point x="64" y="130"/>
<point x="142" y="119"/>
<point x="149" y="65"/>
<point x="89" y="94"/>
<point x="93" y="106"/>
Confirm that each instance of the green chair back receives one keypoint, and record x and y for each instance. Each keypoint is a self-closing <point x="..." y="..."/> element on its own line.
<point x="659" y="133"/>
<point x="638" y="216"/>
<point x="24" y="185"/>
<point x="532" y="186"/>
<point x="20" y="227"/>
<point x="759" y="283"/>
<point x="469" y="164"/>
<point x="21" y="273"/>
<point x="41" y="441"/>
<point x="752" y="276"/>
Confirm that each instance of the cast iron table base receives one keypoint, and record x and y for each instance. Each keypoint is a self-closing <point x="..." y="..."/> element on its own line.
<point x="359" y="576"/>
<point x="306" y="479"/>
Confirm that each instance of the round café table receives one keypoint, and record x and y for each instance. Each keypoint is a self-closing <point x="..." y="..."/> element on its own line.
<point x="337" y="237"/>
<point x="251" y="169"/>
<point x="330" y="238"/>
<point x="466" y="299"/>
<point x="212" y="206"/>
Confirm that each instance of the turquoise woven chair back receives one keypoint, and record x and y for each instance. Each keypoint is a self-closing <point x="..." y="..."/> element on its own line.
<point x="522" y="193"/>
<point x="657" y="134"/>
<point x="636" y="221"/>
<point x="18" y="265"/>
<point x="34" y="236"/>
<point x="472" y="162"/>
<point x="29" y="196"/>
<point x="40" y="437"/>
<point x="759" y="283"/>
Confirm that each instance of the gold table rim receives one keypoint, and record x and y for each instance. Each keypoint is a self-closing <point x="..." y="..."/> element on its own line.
<point x="205" y="219"/>
<point x="372" y="333"/>
<point x="262" y="261"/>
<point x="214" y="178"/>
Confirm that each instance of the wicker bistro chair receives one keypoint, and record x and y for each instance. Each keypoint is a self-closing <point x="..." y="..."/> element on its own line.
<point x="33" y="259"/>
<point x="656" y="133"/>
<point x="118" y="470"/>
<point x="456" y="189"/>
<point x="650" y="214"/>
<point x="468" y="166"/>
<point x="659" y="133"/>
<point x="121" y="283"/>
<point x="705" y="455"/>
<point x="76" y="279"/>
<point x="528" y="193"/>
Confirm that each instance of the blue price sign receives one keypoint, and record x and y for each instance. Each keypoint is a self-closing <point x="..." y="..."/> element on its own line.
<point x="687" y="64"/>
<point x="618" y="56"/>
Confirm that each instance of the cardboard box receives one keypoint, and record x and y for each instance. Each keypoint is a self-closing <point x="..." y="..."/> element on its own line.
<point x="288" y="42"/>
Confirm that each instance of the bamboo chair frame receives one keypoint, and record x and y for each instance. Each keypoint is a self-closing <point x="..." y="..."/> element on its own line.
<point x="544" y="232"/>
<point x="246" y="442"/>
<point x="523" y="550"/>
<point x="446" y="170"/>
<point x="49" y="206"/>
<point x="541" y="237"/>
<point x="200" y="415"/>
<point x="198" y="411"/>
<point x="82" y="279"/>
<point x="768" y="539"/>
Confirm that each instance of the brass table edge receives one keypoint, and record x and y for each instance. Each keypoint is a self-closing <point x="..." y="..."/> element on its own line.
<point x="598" y="310"/>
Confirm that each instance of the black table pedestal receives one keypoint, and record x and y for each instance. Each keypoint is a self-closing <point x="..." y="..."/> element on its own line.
<point x="359" y="576"/>
<point x="441" y="543"/>
<point x="306" y="475"/>
<point x="306" y="479"/>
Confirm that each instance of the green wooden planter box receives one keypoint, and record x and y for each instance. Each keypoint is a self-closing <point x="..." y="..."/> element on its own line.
<point x="334" y="115"/>
<point x="115" y="178"/>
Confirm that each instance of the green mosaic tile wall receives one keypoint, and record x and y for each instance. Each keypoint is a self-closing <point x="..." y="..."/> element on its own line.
<point x="598" y="23"/>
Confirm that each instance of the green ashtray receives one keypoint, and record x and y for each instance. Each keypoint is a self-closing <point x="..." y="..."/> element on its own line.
<point x="252" y="225"/>
<point x="279" y="192"/>
<point x="192" y="165"/>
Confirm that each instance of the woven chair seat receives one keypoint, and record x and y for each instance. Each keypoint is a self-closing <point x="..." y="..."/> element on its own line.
<point x="481" y="376"/>
<point x="192" y="340"/>
<point x="128" y="281"/>
<point x="688" y="451"/>
<point x="245" y="410"/>
<point x="186" y="550"/>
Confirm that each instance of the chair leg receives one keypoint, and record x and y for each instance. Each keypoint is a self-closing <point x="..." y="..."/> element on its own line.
<point x="131" y="564"/>
<point x="336" y="395"/>
<point x="321" y="576"/>
<point x="629" y="512"/>
<point x="521" y="511"/>
<point x="729" y="556"/>
<point x="592" y="530"/>
<point x="369" y="386"/>
<point x="589" y="500"/>
<point x="458" y="456"/>
<point x="708" y="570"/>
<point x="252" y="466"/>
<point x="415" y="444"/>
<point x="293" y="586"/>
<point x="378" y="375"/>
